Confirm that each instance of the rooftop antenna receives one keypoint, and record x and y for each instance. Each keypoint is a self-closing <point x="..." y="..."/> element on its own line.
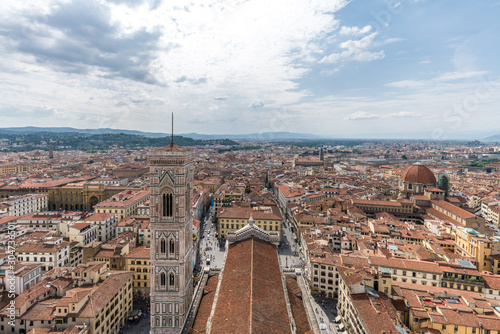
<point x="172" y="138"/>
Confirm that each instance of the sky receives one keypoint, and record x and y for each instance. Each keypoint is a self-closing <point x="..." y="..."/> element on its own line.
<point x="426" y="69"/>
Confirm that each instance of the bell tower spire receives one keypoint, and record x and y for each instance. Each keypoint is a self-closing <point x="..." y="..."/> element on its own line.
<point x="172" y="137"/>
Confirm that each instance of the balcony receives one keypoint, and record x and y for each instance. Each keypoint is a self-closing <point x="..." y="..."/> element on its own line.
<point x="475" y="281"/>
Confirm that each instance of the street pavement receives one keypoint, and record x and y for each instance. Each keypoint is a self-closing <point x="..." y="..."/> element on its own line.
<point x="209" y="245"/>
<point x="143" y="325"/>
<point x="289" y="252"/>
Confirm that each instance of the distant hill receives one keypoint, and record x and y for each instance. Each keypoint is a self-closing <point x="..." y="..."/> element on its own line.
<point x="251" y="136"/>
<point x="34" y="129"/>
<point x="256" y="136"/>
<point x="493" y="138"/>
<point x="23" y="142"/>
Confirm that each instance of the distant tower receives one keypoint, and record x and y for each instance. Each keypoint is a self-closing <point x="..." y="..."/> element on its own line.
<point x="171" y="237"/>
<point x="51" y="152"/>
<point x="321" y="154"/>
<point x="444" y="183"/>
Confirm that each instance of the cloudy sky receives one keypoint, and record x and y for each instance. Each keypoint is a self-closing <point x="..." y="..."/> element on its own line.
<point x="380" y="68"/>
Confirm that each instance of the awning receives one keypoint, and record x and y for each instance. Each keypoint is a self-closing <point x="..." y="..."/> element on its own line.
<point x="338" y="318"/>
<point x="341" y="326"/>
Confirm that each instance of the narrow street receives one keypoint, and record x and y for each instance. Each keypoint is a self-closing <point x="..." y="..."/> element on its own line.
<point x="210" y="252"/>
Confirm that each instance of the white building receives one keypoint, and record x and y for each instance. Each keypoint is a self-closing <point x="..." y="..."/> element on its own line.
<point x="105" y="223"/>
<point x="25" y="276"/>
<point x="51" y="253"/>
<point x="25" y="205"/>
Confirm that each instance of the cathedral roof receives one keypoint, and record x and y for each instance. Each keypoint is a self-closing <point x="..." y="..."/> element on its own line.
<point x="251" y="297"/>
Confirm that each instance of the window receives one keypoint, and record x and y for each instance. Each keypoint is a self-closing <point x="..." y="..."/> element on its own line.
<point x="168" y="205"/>
<point x="171" y="280"/>
<point x="172" y="246"/>
<point x="162" y="246"/>
<point x="162" y="279"/>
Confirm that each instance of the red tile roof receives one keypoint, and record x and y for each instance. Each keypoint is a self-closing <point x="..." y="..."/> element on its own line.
<point x="251" y="297"/>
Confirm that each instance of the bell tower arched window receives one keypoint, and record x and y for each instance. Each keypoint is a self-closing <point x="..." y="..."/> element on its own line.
<point x="163" y="248"/>
<point x="171" y="247"/>
<point x="163" y="279"/>
<point x="168" y="205"/>
<point x="171" y="280"/>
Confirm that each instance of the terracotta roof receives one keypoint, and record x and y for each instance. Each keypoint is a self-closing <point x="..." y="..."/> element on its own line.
<point x="418" y="174"/>
<point x="454" y="209"/>
<point x="251" y="297"/>
<point x="104" y="292"/>
<point x="492" y="282"/>
<point x="170" y="148"/>
<point x="141" y="252"/>
<point x="376" y="313"/>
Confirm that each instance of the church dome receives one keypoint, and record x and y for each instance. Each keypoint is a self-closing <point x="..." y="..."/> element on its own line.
<point x="418" y="174"/>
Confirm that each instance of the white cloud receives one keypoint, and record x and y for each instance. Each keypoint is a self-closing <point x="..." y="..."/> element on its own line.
<point x="363" y="115"/>
<point x="445" y="77"/>
<point x="403" y="114"/>
<point x="353" y="31"/>
<point x="450" y="76"/>
<point x="360" y="115"/>
<point x="357" y="50"/>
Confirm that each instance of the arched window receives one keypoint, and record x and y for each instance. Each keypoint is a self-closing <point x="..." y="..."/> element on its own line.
<point x="163" y="279"/>
<point x="172" y="247"/>
<point x="168" y="208"/>
<point x="163" y="246"/>
<point x="171" y="279"/>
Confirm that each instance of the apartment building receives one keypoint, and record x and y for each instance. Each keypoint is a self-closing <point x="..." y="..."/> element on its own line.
<point x="138" y="262"/>
<point x="469" y="242"/>
<point x="24" y="205"/>
<point x="52" y="252"/>
<point x="25" y="276"/>
<point x="105" y="223"/>
<point x="123" y="204"/>
<point x="103" y="308"/>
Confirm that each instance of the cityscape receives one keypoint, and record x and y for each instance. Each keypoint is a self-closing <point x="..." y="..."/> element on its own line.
<point x="249" y="167"/>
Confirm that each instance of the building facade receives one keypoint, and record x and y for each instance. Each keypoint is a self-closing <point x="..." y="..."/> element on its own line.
<point x="171" y="237"/>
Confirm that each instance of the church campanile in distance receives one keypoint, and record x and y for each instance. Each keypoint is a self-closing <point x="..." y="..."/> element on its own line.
<point x="171" y="237"/>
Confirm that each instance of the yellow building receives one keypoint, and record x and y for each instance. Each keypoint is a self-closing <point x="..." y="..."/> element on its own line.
<point x="104" y="308"/>
<point x="80" y="195"/>
<point x="470" y="242"/>
<point x="212" y="183"/>
<point x="123" y="204"/>
<point x="9" y="169"/>
<point x="138" y="261"/>
<point x="372" y="206"/>
<point x="233" y="218"/>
